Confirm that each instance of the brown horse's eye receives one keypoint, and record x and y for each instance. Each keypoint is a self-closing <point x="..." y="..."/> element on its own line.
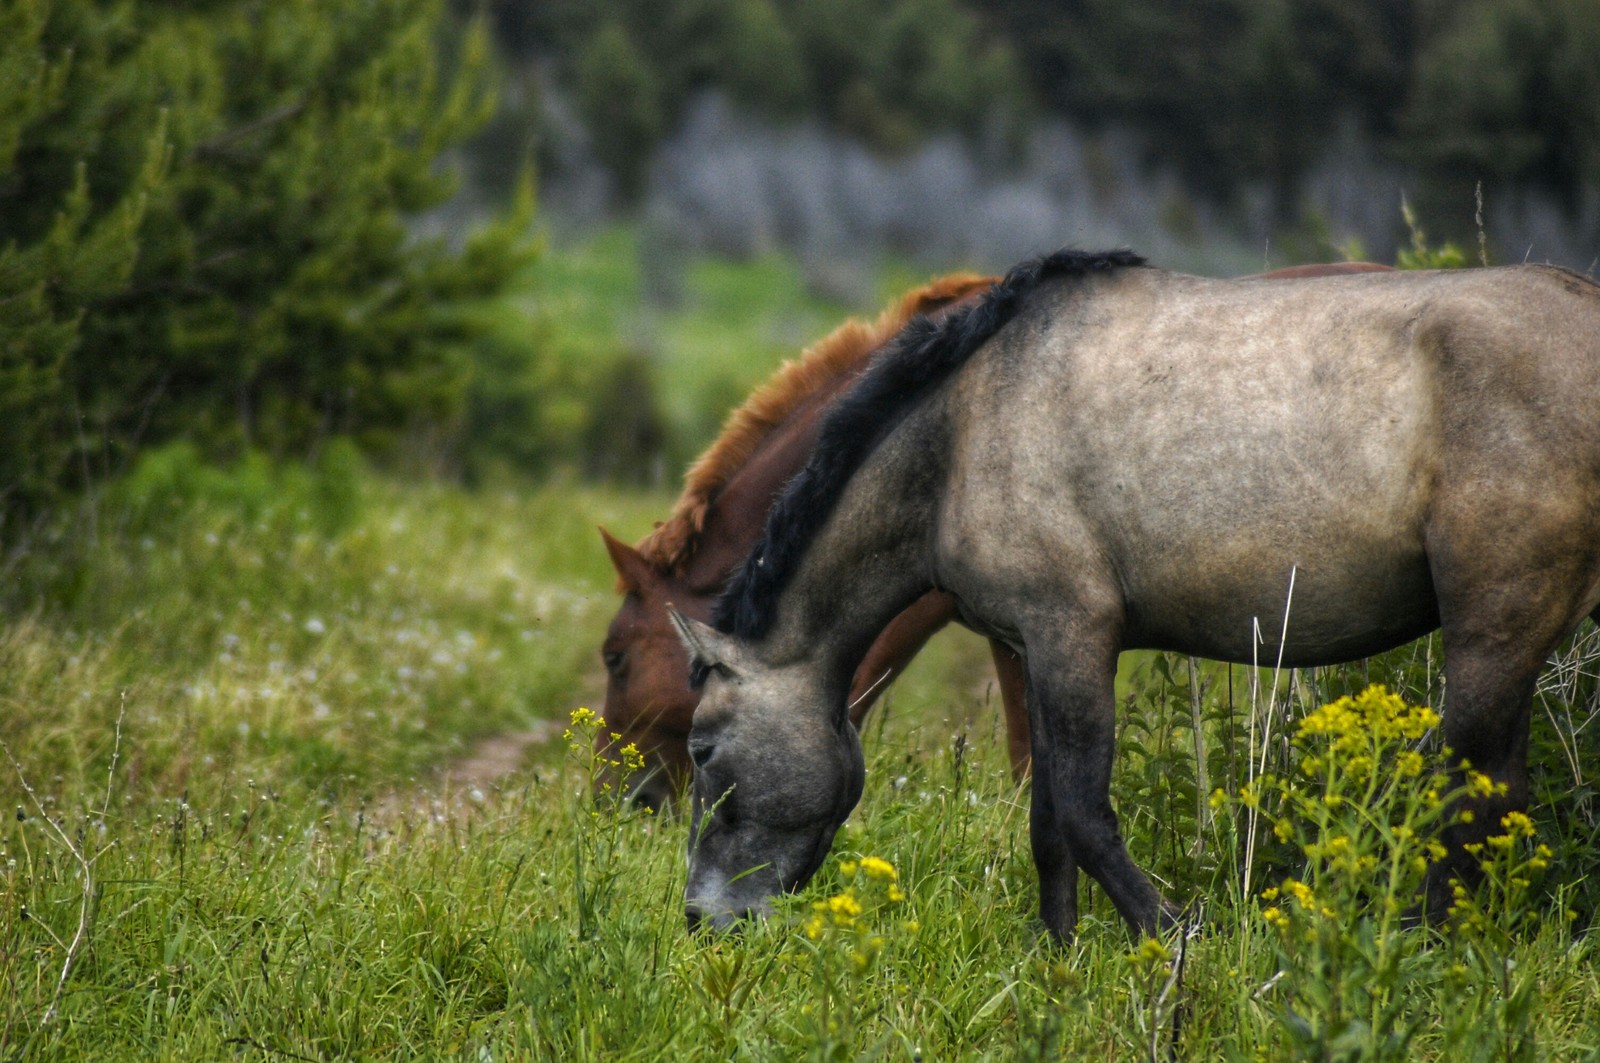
<point x="613" y="660"/>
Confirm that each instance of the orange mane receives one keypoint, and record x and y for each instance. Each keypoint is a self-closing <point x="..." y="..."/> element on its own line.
<point x="669" y="548"/>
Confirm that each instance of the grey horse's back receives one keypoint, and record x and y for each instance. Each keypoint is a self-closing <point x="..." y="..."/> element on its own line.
<point x="1204" y="442"/>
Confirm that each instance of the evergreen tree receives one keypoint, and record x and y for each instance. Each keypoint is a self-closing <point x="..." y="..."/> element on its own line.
<point x="763" y="62"/>
<point x="205" y="206"/>
<point x="621" y="103"/>
<point x="68" y="242"/>
<point x="1508" y="91"/>
<point x="1225" y="91"/>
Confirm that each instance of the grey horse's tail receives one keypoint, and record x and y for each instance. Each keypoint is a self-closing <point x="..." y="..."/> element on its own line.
<point x="922" y="355"/>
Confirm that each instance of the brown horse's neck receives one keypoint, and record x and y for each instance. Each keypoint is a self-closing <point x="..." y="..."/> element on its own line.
<point x="736" y="516"/>
<point x="768" y="438"/>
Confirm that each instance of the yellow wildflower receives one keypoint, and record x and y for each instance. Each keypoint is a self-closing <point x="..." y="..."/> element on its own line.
<point x="1517" y="823"/>
<point x="844" y="906"/>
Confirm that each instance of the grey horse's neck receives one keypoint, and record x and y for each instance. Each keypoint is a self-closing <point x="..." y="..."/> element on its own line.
<point x="870" y="560"/>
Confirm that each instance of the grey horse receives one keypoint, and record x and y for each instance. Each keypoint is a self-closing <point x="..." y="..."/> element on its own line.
<point x="1100" y="456"/>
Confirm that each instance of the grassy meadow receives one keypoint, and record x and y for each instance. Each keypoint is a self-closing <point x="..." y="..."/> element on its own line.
<point x="293" y="770"/>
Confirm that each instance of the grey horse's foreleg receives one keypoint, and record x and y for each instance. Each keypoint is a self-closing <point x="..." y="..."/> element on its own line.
<point x="1052" y="855"/>
<point x="1075" y="727"/>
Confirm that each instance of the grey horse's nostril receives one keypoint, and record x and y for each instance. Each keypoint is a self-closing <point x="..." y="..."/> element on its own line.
<point x="716" y="922"/>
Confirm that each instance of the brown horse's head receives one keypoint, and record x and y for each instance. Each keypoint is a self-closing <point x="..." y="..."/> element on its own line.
<point x="649" y="703"/>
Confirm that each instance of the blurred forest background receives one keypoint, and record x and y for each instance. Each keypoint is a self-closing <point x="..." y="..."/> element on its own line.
<point x="950" y="127"/>
<point x="275" y="229"/>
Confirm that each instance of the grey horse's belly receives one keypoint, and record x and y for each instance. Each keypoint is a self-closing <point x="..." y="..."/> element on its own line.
<point x="1311" y="611"/>
<point x="1317" y="591"/>
<point x="1320" y="563"/>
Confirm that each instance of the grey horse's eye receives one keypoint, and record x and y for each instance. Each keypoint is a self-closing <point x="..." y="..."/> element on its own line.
<point x="700" y="752"/>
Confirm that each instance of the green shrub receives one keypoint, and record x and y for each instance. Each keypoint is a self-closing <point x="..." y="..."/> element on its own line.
<point x="324" y="495"/>
<point x="1421" y="254"/>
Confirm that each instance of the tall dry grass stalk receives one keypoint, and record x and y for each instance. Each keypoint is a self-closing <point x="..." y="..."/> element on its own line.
<point x="1262" y="718"/>
<point x="77" y="852"/>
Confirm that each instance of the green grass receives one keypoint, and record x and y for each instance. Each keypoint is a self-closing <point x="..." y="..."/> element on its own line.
<point x="215" y="777"/>
<point x="336" y="659"/>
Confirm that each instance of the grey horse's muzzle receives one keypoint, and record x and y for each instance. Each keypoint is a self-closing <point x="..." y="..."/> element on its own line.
<point x="719" y="917"/>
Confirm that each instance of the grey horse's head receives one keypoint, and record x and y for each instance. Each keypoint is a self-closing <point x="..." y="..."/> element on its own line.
<point x="777" y="768"/>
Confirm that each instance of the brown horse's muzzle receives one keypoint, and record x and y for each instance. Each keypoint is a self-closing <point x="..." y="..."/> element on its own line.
<point x="652" y="790"/>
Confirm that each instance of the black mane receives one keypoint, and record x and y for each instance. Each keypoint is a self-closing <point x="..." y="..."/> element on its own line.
<point x="919" y="357"/>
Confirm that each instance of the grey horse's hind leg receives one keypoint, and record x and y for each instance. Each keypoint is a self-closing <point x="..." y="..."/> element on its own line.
<point x="1512" y="574"/>
<point x="1491" y="669"/>
<point x="1073" y="715"/>
<point x="1488" y="702"/>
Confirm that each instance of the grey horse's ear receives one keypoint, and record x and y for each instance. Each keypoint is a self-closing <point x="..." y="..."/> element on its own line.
<point x="709" y="649"/>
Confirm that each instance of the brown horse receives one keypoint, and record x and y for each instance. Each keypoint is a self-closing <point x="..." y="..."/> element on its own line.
<point x="728" y="491"/>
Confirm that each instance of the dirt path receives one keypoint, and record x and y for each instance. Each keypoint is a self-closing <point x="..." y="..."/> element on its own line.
<point x="496" y="757"/>
<point x="464" y="784"/>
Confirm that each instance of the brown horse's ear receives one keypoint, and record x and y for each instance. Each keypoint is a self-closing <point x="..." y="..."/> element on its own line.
<point x="631" y="566"/>
<point x="709" y="649"/>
